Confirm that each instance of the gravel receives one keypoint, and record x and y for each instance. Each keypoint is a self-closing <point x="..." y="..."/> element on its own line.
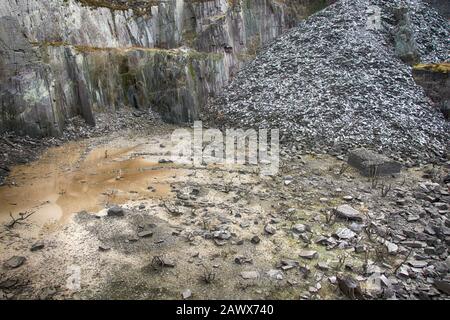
<point x="332" y="84"/>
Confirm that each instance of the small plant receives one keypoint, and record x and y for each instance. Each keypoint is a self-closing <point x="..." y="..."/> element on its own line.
<point x="366" y="261"/>
<point x="370" y="231"/>
<point x="22" y="217"/>
<point x="374" y="176"/>
<point x="381" y="253"/>
<point x="157" y="262"/>
<point x="330" y="217"/>
<point x="341" y="261"/>
<point x="206" y="224"/>
<point x="208" y="275"/>
<point x="385" y="189"/>
<point x="343" y="169"/>
<point x="403" y="261"/>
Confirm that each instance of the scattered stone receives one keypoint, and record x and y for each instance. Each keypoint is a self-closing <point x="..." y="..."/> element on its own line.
<point x="300" y="228"/>
<point x="347" y="212"/>
<point x="255" y="240"/>
<point x="165" y="161"/>
<point x="347" y="198"/>
<point x="332" y="279"/>
<point x="322" y="266"/>
<point x="15" y="262"/>
<point x="8" y="284"/>
<point x="275" y="274"/>
<point x="345" y="233"/>
<point x="104" y="247"/>
<point x="116" y="212"/>
<point x="356" y="227"/>
<point x="222" y="235"/>
<point x="37" y="246"/>
<point x="145" y="234"/>
<point x="243" y="260"/>
<point x="308" y="254"/>
<point x="417" y="263"/>
<point x="133" y="239"/>
<point x="186" y="294"/>
<point x="412" y="218"/>
<point x="391" y="247"/>
<point x="350" y="287"/>
<point x="441" y="205"/>
<point x="414" y="244"/>
<point x="220" y="243"/>
<point x="372" y="164"/>
<point x="270" y="229"/>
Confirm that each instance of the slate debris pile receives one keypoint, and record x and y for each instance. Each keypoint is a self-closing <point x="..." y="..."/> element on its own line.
<point x="334" y="84"/>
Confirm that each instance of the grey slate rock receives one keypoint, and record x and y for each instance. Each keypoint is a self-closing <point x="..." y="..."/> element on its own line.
<point x="116" y="212"/>
<point x="370" y="163"/>
<point x="347" y="212"/>
<point x="15" y="262"/>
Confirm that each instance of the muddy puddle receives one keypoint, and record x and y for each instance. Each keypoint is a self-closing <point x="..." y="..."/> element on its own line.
<point x="75" y="178"/>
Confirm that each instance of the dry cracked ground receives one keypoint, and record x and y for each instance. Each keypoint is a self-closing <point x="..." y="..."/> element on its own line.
<point x="108" y="218"/>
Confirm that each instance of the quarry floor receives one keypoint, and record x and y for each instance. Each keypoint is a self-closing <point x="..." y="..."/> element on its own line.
<point x="89" y="255"/>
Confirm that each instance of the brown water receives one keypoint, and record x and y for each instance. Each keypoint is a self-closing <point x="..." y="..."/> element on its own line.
<point x="69" y="179"/>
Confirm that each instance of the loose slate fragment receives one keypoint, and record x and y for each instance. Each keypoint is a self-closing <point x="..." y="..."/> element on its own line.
<point x="14" y="262"/>
<point x="347" y="212"/>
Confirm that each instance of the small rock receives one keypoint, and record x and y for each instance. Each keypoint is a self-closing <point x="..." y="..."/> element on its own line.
<point x="163" y="161"/>
<point x="275" y="274"/>
<point x="255" y="240"/>
<point x="345" y="233"/>
<point x="104" y="247"/>
<point x="441" y="205"/>
<point x="15" y="262"/>
<point x="270" y="229"/>
<point x="145" y="234"/>
<point x="414" y="244"/>
<point x="418" y="264"/>
<point x="322" y="266"/>
<point x="347" y="212"/>
<point x="37" y="246"/>
<point x="391" y="247"/>
<point x="186" y="294"/>
<point x="350" y="287"/>
<point x="308" y="254"/>
<point x="116" y="212"/>
<point x="300" y="228"/>
<point x="243" y="260"/>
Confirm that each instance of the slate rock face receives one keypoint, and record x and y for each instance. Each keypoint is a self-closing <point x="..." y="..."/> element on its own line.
<point x="62" y="58"/>
<point x="26" y="105"/>
<point x="332" y="80"/>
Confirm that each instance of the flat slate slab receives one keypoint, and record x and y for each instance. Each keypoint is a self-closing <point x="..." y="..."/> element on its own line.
<point x="370" y="163"/>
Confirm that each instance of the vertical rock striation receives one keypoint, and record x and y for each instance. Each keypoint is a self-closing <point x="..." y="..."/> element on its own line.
<point x="63" y="58"/>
